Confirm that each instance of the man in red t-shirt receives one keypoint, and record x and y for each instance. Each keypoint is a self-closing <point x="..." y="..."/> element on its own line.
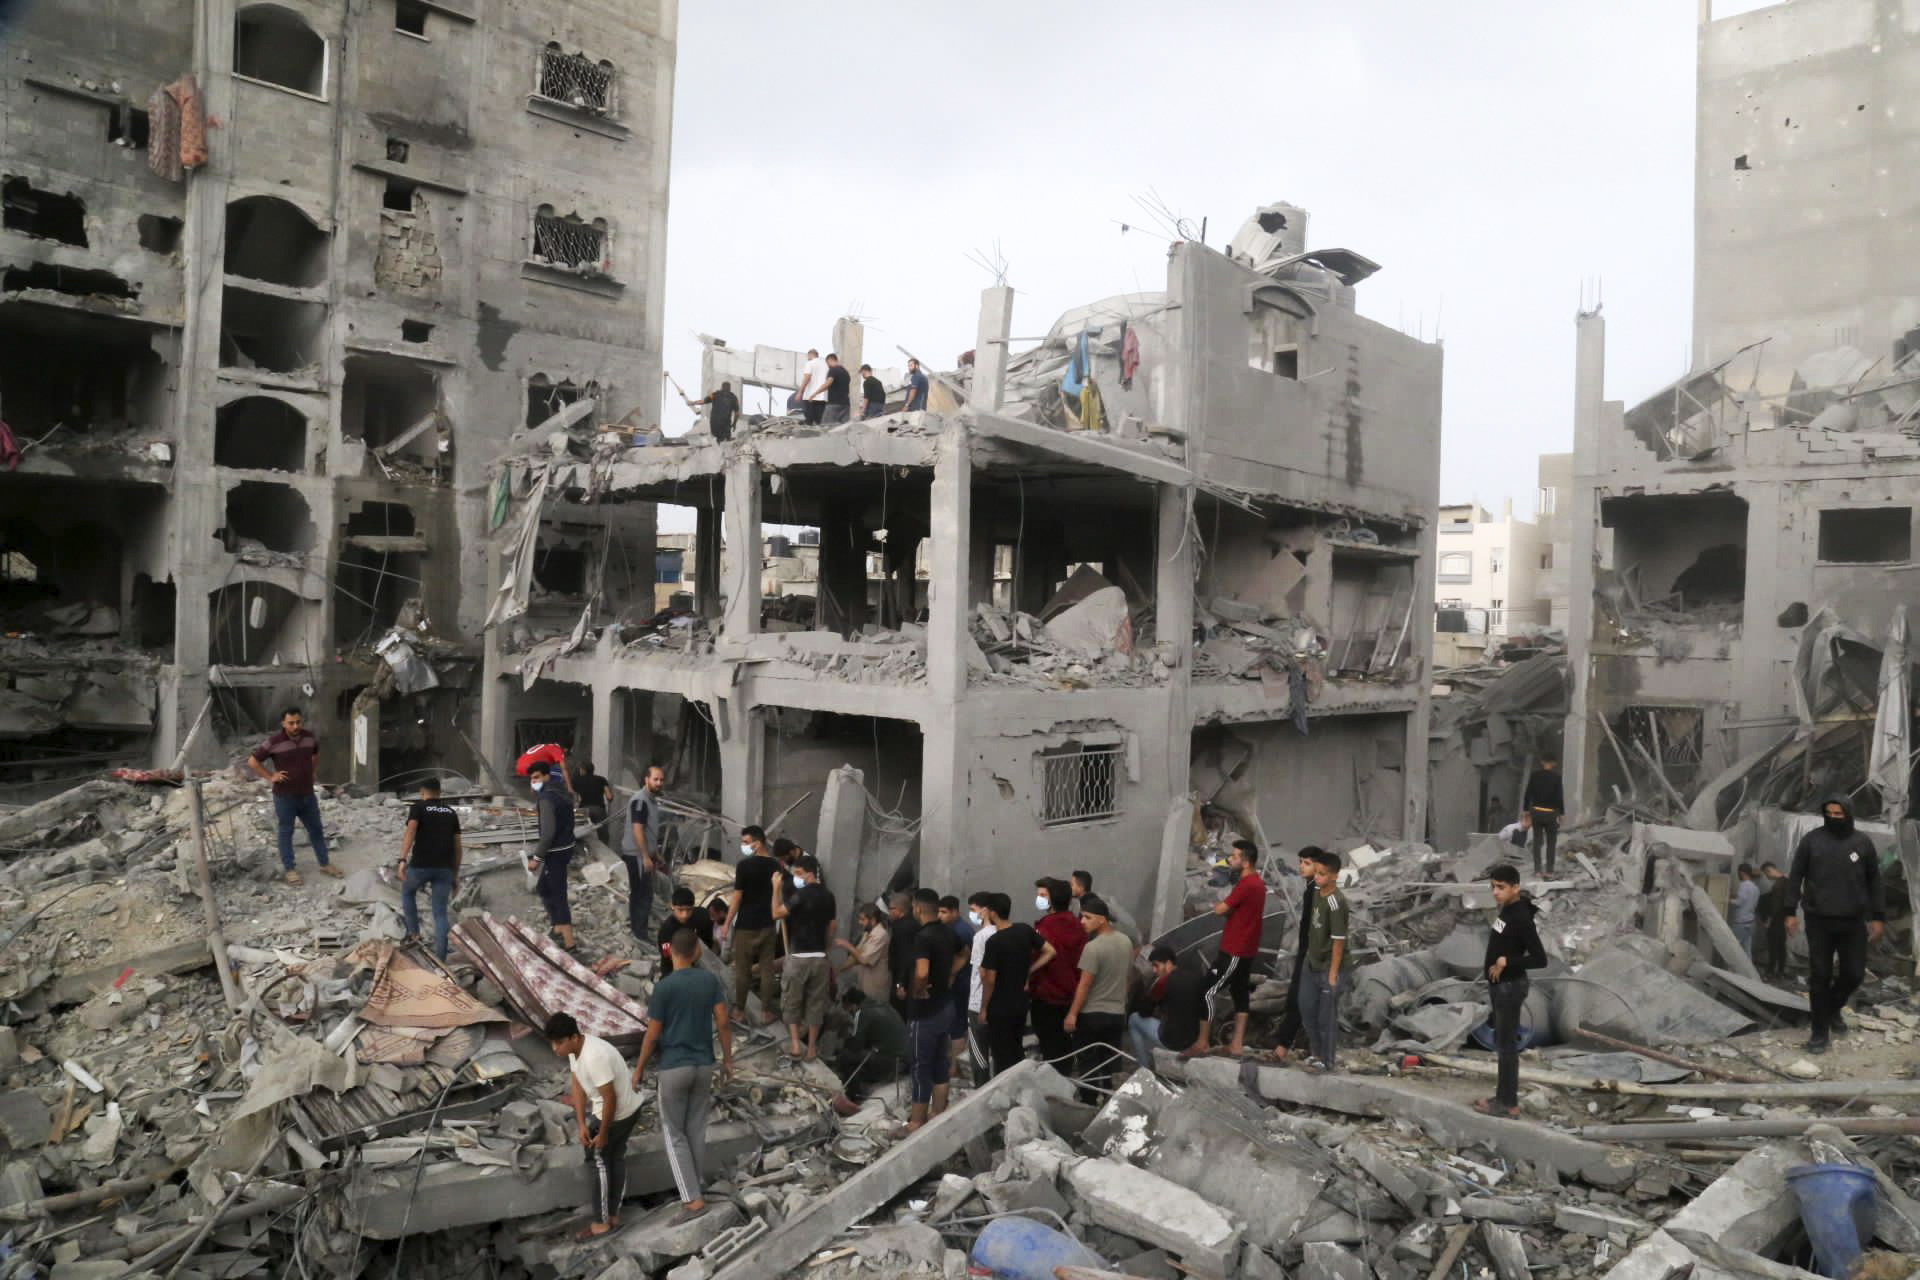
<point x="551" y="754"/>
<point x="1245" y="906"/>
<point x="1056" y="975"/>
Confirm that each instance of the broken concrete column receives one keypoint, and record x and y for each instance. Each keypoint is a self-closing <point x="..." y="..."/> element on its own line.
<point x="741" y="582"/>
<point x="943" y="786"/>
<point x="990" y="349"/>
<point x="1134" y="1202"/>
<point x="840" y="839"/>
<point x="781" y="1253"/>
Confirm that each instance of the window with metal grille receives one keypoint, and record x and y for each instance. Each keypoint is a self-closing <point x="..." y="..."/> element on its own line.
<point x="1079" y="783"/>
<point x="570" y="241"/>
<point x="575" y="80"/>
<point x="528" y="734"/>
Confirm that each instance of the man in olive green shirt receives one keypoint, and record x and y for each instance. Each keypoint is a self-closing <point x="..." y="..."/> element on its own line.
<point x="1097" y="1018"/>
<point x="1326" y="951"/>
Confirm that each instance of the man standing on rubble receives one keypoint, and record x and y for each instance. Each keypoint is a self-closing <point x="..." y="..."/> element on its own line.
<point x="1513" y="947"/>
<point x="839" y="391"/>
<point x="1245" y="908"/>
<point x="750" y="923"/>
<point x="813" y="387"/>
<point x="810" y="913"/>
<point x="1097" y="1018"/>
<point x="595" y="795"/>
<point x="429" y="858"/>
<point x="1326" y="953"/>
<point x="901" y="926"/>
<point x="1054" y="983"/>
<point x="936" y="957"/>
<point x="916" y="386"/>
<point x="1745" y="909"/>
<point x="599" y="1084"/>
<point x="1773" y="917"/>
<point x="1290" y="1023"/>
<point x="1545" y="801"/>
<point x="293" y="751"/>
<point x="726" y="407"/>
<point x="1835" y="876"/>
<point x="963" y="933"/>
<point x="872" y="393"/>
<point x="686" y="1008"/>
<point x="553" y="804"/>
<point x="1013" y="954"/>
<point x="641" y="851"/>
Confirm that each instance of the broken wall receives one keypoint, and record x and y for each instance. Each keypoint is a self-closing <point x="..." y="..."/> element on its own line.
<point x="1344" y="779"/>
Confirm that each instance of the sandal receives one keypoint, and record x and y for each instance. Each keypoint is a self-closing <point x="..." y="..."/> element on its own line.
<point x="328" y="869"/>
<point x="1492" y="1107"/>
<point x="594" y="1231"/>
<point x="292" y="877"/>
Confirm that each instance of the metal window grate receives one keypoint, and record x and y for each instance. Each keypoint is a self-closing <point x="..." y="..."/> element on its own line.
<point x="569" y="242"/>
<point x="1079" y="784"/>
<point x="528" y="734"/>
<point x="572" y="79"/>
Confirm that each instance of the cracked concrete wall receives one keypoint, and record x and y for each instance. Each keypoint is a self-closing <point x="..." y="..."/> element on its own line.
<point x="1804" y="147"/>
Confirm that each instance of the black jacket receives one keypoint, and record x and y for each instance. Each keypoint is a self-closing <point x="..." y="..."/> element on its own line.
<point x="1836" y="874"/>
<point x="1545" y="791"/>
<point x="1515" y="937"/>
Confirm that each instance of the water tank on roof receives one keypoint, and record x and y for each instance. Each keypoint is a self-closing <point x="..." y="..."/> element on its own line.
<point x="1274" y="231"/>
<point x="780" y="546"/>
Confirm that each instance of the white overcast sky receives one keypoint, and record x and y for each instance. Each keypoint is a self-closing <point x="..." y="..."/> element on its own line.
<point x="1498" y="157"/>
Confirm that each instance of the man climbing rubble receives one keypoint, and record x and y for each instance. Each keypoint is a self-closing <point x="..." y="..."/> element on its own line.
<point x="430" y="855"/>
<point x="551" y="857"/>
<point x="1545" y="803"/>
<point x="599" y="1085"/>
<point x="686" y="1008"/>
<point x="1835" y="877"/>
<point x="293" y="751"/>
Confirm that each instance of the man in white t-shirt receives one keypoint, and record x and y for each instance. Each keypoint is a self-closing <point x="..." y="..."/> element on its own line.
<point x="984" y="929"/>
<point x="602" y="1085"/>
<point x="813" y="387"/>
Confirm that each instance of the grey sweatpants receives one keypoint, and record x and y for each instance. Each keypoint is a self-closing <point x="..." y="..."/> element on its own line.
<point x="686" y="1093"/>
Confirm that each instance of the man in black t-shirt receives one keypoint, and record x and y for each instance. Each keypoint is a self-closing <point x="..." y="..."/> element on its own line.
<point x="809" y="910"/>
<point x="430" y="855"/>
<point x="726" y="408"/>
<point x="872" y="393"/>
<point x="839" y="391"/>
<point x="901" y="927"/>
<point x="750" y="922"/>
<point x="684" y="915"/>
<point x="936" y="955"/>
<point x="595" y="793"/>
<point x="1005" y="965"/>
<point x="1179" y="1000"/>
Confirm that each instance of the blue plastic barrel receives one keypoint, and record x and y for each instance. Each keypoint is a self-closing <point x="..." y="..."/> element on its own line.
<point x="1016" y="1248"/>
<point x="1837" y="1207"/>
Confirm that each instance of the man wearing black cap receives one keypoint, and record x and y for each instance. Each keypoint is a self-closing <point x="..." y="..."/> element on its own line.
<point x="1097" y="1018"/>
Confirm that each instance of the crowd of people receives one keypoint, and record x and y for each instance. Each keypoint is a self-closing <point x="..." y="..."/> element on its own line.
<point x="927" y="986"/>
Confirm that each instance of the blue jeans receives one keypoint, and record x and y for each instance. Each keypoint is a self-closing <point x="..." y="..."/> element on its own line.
<point x="1145" y="1033"/>
<point x="440" y="880"/>
<point x="1320" y="1013"/>
<point x="307" y="809"/>
<point x="552" y="885"/>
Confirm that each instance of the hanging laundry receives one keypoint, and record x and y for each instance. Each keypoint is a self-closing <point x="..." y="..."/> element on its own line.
<point x="1078" y="370"/>
<point x="193" y="121"/>
<point x="163" y="135"/>
<point x="9" y="451"/>
<point x="1129" y="355"/>
<point x="1092" y="412"/>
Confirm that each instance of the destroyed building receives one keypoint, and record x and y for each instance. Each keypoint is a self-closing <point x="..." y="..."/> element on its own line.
<point x="1212" y="506"/>
<point x="1743" y="540"/>
<point x="278" y="282"/>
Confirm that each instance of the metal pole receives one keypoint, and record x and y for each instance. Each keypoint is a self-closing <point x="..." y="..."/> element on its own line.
<point x="196" y="806"/>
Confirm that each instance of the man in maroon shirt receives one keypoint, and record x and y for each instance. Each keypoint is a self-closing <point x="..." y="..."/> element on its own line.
<point x="292" y="751"/>
<point x="1053" y="984"/>
<point x="1244" y="907"/>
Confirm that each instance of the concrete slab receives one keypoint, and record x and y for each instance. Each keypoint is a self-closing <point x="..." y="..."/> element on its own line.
<point x="1749" y="1207"/>
<point x="662" y="1238"/>
<point x="1331" y="1262"/>
<point x="907" y="1163"/>
<point x="452" y="1196"/>
<point x="1445" y="1122"/>
<point x="1270" y="1186"/>
<point x="1147" y="1207"/>
<point x="24" y="1120"/>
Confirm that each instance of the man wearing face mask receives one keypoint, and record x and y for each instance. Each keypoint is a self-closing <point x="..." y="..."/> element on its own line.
<point x="551" y="857"/>
<point x="1836" y="877"/>
<point x="750" y="922"/>
<point x="810" y="911"/>
<point x="1054" y="984"/>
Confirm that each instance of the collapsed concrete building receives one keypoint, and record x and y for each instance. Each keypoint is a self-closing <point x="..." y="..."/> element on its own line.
<point x="1743" y="545"/>
<point x="278" y="282"/>
<point x="1220" y="575"/>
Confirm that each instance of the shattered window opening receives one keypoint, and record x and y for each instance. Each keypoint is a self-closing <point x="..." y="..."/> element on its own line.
<point x="128" y="126"/>
<point x="278" y="335"/>
<point x="272" y="240"/>
<point x="276" y="46"/>
<point x="570" y="241"/>
<point x="158" y="234"/>
<point x="415" y="331"/>
<point x="259" y="433"/>
<point x="33" y="212"/>
<point x="1672" y="736"/>
<point x="410" y="17"/>
<point x="397" y="196"/>
<point x="1079" y="783"/>
<point x="1869" y="535"/>
<point x="546" y="398"/>
<point x="576" y="80"/>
